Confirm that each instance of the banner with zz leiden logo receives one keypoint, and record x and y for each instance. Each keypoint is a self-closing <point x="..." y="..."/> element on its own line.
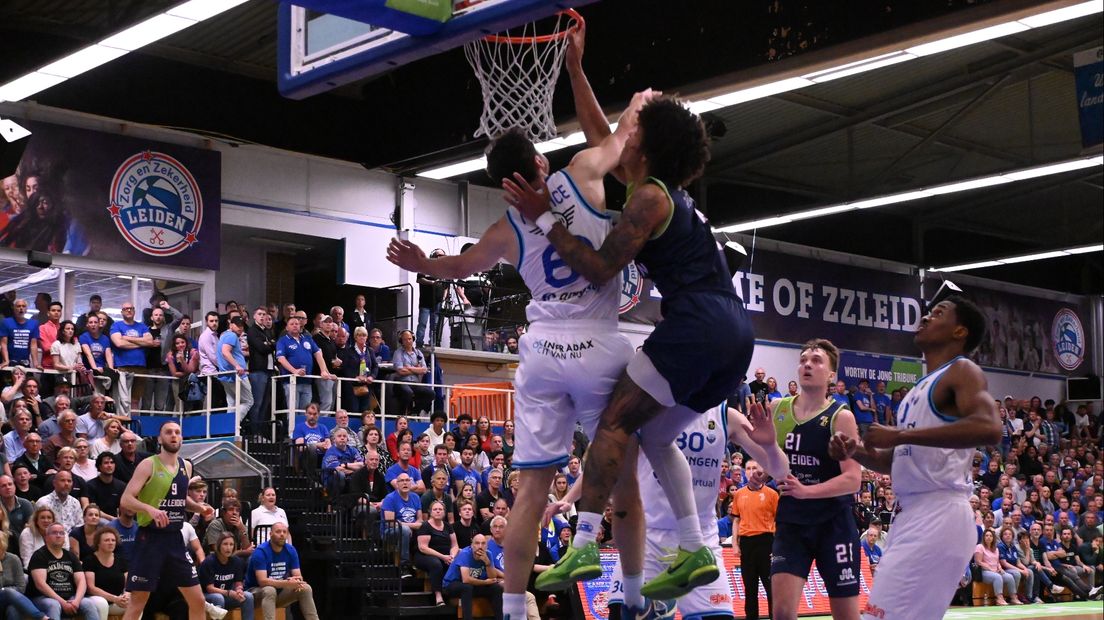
<point x="114" y="197"/>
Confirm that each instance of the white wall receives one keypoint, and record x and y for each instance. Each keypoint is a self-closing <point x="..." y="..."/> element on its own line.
<point x="1019" y="385"/>
<point x="242" y="277"/>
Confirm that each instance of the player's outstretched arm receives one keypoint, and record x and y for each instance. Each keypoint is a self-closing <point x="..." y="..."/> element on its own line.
<point x="755" y="434"/>
<point x="592" y="120"/>
<point x="497" y="242"/>
<point x="591" y="165"/>
<point x="646" y="211"/>
<point x="978" y="424"/>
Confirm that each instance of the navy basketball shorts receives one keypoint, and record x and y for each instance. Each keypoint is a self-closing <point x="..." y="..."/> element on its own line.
<point x="160" y="555"/>
<point x="702" y="347"/>
<point x="833" y="544"/>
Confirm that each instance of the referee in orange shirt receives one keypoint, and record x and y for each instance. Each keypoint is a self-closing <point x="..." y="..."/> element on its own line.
<point x="753" y="509"/>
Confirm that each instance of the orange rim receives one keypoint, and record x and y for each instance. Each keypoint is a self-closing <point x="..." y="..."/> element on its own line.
<point x="577" y="20"/>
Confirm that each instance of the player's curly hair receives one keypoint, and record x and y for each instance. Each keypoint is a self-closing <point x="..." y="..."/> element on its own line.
<point x="674" y="141"/>
<point x="511" y="152"/>
<point x="970" y="316"/>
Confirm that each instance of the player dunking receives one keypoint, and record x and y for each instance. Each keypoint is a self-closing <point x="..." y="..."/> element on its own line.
<point x="158" y="492"/>
<point x="814" y="520"/>
<point x="929" y="455"/>
<point x="673" y="243"/>
<point x="571" y="355"/>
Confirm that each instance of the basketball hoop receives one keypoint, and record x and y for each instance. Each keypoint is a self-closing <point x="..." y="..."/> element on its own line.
<point x="517" y="72"/>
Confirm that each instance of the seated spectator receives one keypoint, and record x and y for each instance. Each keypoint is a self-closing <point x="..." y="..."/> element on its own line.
<point x="1090" y="528"/>
<point x="33" y="535"/>
<point x="17" y="510"/>
<point x="229" y="520"/>
<point x="267" y="512"/>
<point x="559" y="491"/>
<point x="422" y="455"/>
<point x="90" y="424"/>
<point x="13" y="581"/>
<point x="484" y="433"/>
<point x="403" y="466"/>
<point x="410" y="370"/>
<point x="402" y="515"/>
<point x="1012" y="563"/>
<point x="127" y="527"/>
<point x="471" y="574"/>
<point x="23" y="487"/>
<point x="574" y="470"/>
<point x="436" y="430"/>
<point x="82" y="538"/>
<point x="105" y="490"/>
<point x="113" y="431"/>
<point x="309" y="433"/>
<point x="497" y="463"/>
<point x="66" y="437"/>
<point x="129" y="457"/>
<point x="105" y="572"/>
<point x="440" y="463"/>
<point x="871" y="549"/>
<point x="67" y="509"/>
<point x="84" y="466"/>
<point x="465" y="527"/>
<point x="274" y="578"/>
<point x="65" y="460"/>
<point x="341" y="421"/>
<point x="988" y="559"/>
<point x="439" y="492"/>
<point x="772" y="389"/>
<point x="57" y="584"/>
<point x="378" y="346"/>
<point x="373" y="443"/>
<point x="340" y="462"/>
<point x="1073" y="572"/>
<point x="14" y="439"/>
<point x="486" y="500"/>
<point x="462" y="430"/>
<point x="480" y="460"/>
<point x="436" y="547"/>
<point x="467" y="492"/>
<point x="401" y="424"/>
<point x="499" y="509"/>
<point x="495" y="543"/>
<point x="222" y="577"/>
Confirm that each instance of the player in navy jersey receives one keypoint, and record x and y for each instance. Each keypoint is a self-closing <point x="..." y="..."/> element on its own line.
<point x="158" y="493"/>
<point x="674" y="246"/>
<point x="929" y="454"/>
<point x="814" y="520"/>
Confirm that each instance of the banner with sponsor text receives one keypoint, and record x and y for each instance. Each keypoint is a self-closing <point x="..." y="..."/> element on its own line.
<point x="113" y="197"/>
<point x="1088" y="75"/>
<point x="814" y="598"/>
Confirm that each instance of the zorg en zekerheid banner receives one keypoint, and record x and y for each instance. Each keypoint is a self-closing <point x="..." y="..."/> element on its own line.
<point x="113" y="197"/>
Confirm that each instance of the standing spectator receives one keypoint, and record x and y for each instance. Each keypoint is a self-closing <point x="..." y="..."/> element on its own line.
<point x="65" y="350"/>
<point x="359" y="315"/>
<point x="429" y="304"/>
<point x="280" y="326"/>
<point x="758" y="387"/>
<point x="772" y="389"/>
<point x="883" y="405"/>
<point x="358" y="362"/>
<point x="402" y="516"/>
<point x="327" y="348"/>
<point x="222" y="577"/>
<point x="128" y="339"/>
<point x="987" y="557"/>
<point x="436" y="547"/>
<point x="864" y="406"/>
<point x="232" y="360"/>
<point x="753" y="509"/>
<point x="471" y="574"/>
<point x="295" y="353"/>
<point x="48" y="333"/>
<point x="208" y="344"/>
<point x="274" y="578"/>
<point x="98" y="356"/>
<point x="19" y="338"/>
<point x="105" y="572"/>
<point x="157" y="397"/>
<point x="262" y="346"/>
<point x="95" y="303"/>
<point x="410" y="368"/>
<point x="840" y="395"/>
<point x="57" y="584"/>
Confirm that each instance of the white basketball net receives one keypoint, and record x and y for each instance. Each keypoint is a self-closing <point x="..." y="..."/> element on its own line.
<point x="518" y="79"/>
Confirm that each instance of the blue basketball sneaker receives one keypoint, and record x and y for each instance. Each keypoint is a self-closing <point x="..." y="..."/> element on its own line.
<point x="653" y="610"/>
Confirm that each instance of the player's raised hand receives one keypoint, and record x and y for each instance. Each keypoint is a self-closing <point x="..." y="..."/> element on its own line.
<point x="878" y="436"/>
<point x="761" y="428"/>
<point x="841" y="447"/>
<point x="553" y="509"/>
<point x="531" y="199"/>
<point x="406" y="254"/>
<point x="576" y="41"/>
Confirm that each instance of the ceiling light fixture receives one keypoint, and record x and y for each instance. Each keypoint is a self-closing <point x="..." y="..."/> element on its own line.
<point x="119" y="44"/>
<point x="927" y="192"/>
<point x="1024" y="258"/>
<point x="759" y="91"/>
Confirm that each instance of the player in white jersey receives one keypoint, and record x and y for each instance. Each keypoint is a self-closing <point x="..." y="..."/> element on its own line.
<point x="572" y="354"/>
<point x="929" y="453"/>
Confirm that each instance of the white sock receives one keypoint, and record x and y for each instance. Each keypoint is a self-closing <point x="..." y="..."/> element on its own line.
<point x="690" y="534"/>
<point x="586" y="530"/>
<point x="674" y="476"/>
<point x="513" y="606"/>
<point x="633" y="597"/>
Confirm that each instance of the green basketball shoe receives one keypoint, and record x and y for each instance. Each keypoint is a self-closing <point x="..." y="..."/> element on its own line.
<point x="688" y="571"/>
<point x="576" y="565"/>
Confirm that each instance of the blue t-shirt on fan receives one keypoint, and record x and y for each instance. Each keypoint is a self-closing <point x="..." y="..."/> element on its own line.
<point x="406" y="510"/>
<point x="97" y="346"/>
<point x="310" y="434"/>
<point x="129" y="357"/>
<point x="19" y="337"/>
<point x="464" y="560"/>
<point x="276" y="565"/>
<point x="883" y="404"/>
<point x="232" y="339"/>
<point x="299" y="352"/>
<point x="863" y="416"/>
